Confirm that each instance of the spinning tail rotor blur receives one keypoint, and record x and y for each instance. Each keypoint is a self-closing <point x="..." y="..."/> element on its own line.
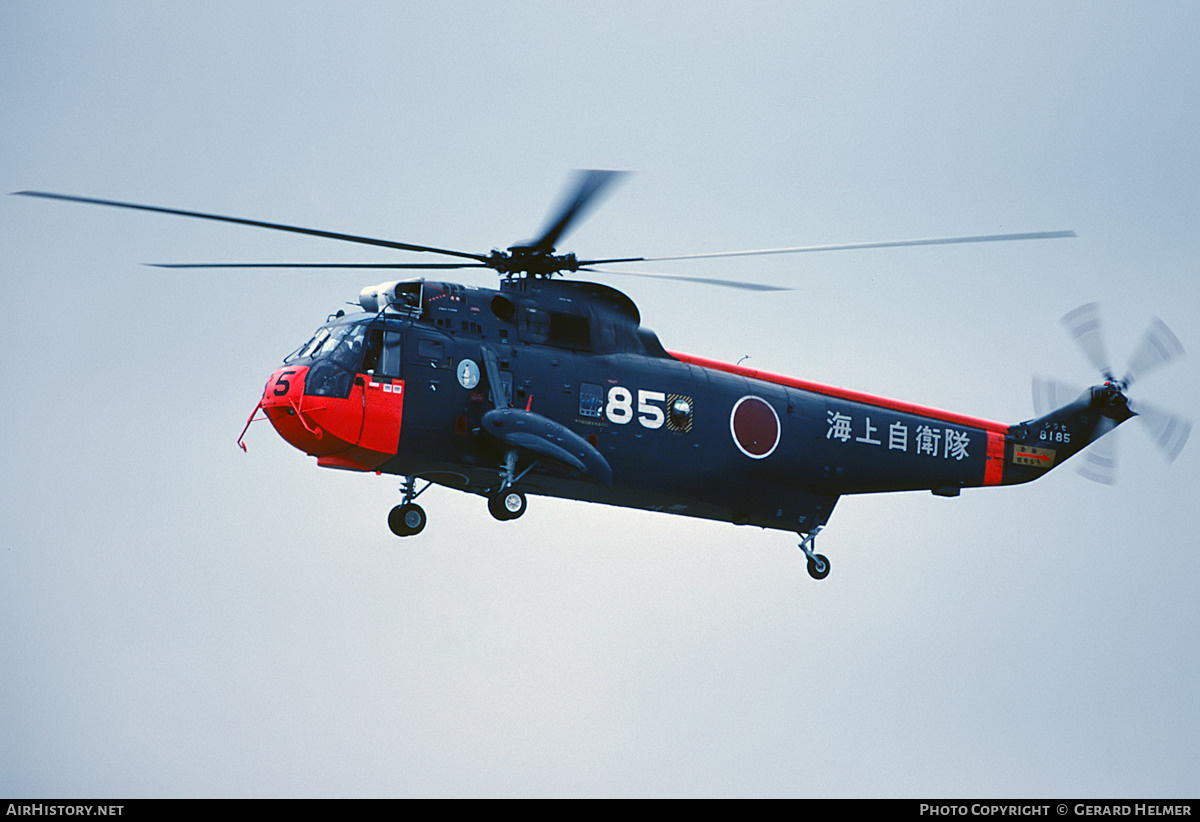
<point x="1158" y="347"/>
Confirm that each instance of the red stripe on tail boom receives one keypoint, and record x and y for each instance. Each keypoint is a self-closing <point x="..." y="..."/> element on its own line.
<point x="990" y="426"/>
<point x="993" y="472"/>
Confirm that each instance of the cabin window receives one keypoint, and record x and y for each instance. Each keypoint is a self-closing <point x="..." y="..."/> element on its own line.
<point x="570" y="331"/>
<point x="535" y="325"/>
<point x="430" y="351"/>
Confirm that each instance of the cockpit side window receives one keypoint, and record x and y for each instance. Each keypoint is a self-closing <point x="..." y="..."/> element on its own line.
<point x="389" y="363"/>
<point x="383" y="353"/>
<point x="348" y="349"/>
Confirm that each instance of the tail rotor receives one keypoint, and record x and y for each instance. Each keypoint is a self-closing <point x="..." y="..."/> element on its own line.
<point x="1086" y="328"/>
<point x="1169" y="431"/>
<point x="1158" y="347"/>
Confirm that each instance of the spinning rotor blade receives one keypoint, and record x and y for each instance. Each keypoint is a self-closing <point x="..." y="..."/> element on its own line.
<point x="745" y="286"/>
<point x="1049" y="395"/>
<point x="534" y="258"/>
<point x="319" y="265"/>
<point x="1158" y="347"/>
<point x="588" y="186"/>
<point x="987" y="238"/>
<point x="332" y="235"/>
<point x="1169" y="431"/>
<point x="1085" y="328"/>
<point x="1099" y="460"/>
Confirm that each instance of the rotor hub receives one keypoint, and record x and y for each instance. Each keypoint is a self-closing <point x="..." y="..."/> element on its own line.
<point x="531" y="261"/>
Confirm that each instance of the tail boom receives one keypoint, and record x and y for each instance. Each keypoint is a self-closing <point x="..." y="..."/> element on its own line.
<point x="1038" y="445"/>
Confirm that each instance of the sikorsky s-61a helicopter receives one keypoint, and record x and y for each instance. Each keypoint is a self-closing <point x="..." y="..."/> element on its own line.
<point x="553" y="387"/>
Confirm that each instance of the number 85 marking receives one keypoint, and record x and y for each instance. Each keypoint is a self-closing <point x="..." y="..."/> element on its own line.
<point x="620" y="407"/>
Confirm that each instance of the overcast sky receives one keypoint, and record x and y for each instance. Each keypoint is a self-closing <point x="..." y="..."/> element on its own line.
<point x="183" y="619"/>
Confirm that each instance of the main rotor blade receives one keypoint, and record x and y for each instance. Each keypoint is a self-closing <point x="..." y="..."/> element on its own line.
<point x="1158" y="347"/>
<point x="1086" y="329"/>
<point x="986" y="238"/>
<point x="332" y="235"/>
<point x="706" y="280"/>
<point x="319" y="265"/>
<point x="588" y="185"/>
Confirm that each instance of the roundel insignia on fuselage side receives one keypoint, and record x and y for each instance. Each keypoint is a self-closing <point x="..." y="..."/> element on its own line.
<point x="755" y="427"/>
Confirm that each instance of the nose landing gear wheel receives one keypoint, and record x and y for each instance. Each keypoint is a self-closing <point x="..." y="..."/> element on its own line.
<point x="407" y="519"/>
<point x="507" y="504"/>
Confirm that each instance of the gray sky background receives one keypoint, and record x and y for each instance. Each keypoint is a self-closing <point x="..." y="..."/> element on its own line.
<point x="183" y="619"/>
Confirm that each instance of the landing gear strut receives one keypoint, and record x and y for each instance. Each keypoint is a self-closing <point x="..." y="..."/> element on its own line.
<point x="818" y="564"/>
<point x="408" y="518"/>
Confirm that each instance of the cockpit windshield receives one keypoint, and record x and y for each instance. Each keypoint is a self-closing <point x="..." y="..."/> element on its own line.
<point x="309" y="347"/>
<point x="341" y="343"/>
<point x="335" y="353"/>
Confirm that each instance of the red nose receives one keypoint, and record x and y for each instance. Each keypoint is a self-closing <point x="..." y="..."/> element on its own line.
<point x="331" y="428"/>
<point x="312" y="424"/>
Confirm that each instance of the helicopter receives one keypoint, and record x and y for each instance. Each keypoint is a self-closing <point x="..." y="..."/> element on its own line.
<point x="551" y="386"/>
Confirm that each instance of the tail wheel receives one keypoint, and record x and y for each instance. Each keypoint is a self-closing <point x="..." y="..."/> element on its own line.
<point x="507" y="504"/>
<point x="818" y="566"/>
<point x="407" y="520"/>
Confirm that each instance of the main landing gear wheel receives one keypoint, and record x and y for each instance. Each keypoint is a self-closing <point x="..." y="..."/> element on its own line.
<point x="507" y="504"/>
<point x="407" y="519"/>
<point x="818" y="564"/>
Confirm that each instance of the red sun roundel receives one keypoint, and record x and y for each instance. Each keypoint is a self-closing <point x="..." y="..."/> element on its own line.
<point x="755" y="427"/>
